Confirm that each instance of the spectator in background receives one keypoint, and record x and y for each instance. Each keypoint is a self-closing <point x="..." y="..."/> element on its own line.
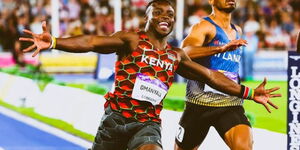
<point x="90" y="26"/>
<point x="47" y="7"/>
<point x="250" y="28"/>
<point x="286" y="7"/>
<point x="18" y="55"/>
<point x="108" y="25"/>
<point x="39" y="9"/>
<point x="8" y="5"/>
<point x="276" y="38"/>
<point x="294" y="34"/>
<point x="287" y="22"/>
<point x="74" y="8"/>
<point x="75" y="28"/>
<point x="36" y="25"/>
<point x="23" y="22"/>
<point x="9" y="32"/>
<point x="77" y="17"/>
<point x="132" y="22"/>
<point x="1" y="29"/>
<point x="64" y="21"/>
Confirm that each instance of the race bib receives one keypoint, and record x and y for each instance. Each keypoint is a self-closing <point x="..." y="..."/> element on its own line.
<point x="180" y="134"/>
<point x="149" y="89"/>
<point x="231" y="75"/>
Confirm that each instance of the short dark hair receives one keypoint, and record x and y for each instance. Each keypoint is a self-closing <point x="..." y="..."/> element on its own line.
<point x="159" y="1"/>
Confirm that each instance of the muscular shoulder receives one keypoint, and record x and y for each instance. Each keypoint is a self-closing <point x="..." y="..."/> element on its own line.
<point x="199" y="34"/>
<point x="203" y="26"/>
<point x="130" y="40"/>
<point x="126" y="36"/>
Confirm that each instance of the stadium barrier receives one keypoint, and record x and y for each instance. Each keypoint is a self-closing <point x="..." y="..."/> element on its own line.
<point x="6" y="59"/>
<point x="69" y="63"/>
<point x="72" y="105"/>
<point x="271" y="64"/>
<point x="18" y="91"/>
<point x="83" y="110"/>
<point x="77" y="107"/>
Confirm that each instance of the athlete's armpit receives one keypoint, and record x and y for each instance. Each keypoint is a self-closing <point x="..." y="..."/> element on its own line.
<point x="199" y="34"/>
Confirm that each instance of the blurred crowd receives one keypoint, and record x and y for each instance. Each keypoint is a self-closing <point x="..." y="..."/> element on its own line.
<point x="272" y="23"/>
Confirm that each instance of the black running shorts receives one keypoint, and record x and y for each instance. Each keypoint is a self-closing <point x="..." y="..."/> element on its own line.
<point x="119" y="133"/>
<point x="196" y="121"/>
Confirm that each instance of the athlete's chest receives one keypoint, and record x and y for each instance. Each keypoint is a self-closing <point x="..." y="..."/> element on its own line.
<point x="221" y="38"/>
<point x="146" y="56"/>
<point x="147" y="73"/>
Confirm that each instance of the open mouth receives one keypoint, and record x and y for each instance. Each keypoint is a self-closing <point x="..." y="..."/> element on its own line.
<point x="230" y="2"/>
<point x="164" y="25"/>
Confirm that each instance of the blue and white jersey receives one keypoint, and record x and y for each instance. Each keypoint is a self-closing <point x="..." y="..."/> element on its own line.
<point x="227" y="63"/>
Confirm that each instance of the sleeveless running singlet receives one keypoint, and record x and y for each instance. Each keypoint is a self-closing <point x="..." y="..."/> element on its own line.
<point x="142" y="80"/>
<point x="227" y="63"/>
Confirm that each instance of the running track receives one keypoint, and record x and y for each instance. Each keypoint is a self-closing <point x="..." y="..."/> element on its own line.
<point x="16" y="135"/>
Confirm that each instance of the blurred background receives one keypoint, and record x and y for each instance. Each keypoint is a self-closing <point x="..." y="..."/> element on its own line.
<point x="65" y="90"/>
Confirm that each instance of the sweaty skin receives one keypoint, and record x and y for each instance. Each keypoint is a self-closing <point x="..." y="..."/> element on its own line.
<point x="160" y="18"/>
<point x="240" y="136"/>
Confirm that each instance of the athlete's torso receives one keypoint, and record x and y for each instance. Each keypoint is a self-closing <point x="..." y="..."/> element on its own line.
<point x="227" y="63"/>
<point x="142" y="80"/>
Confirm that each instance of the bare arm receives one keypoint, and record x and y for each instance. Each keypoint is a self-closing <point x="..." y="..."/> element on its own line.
<point x="217" y="80"/>
<point x="77" y="44"/>
<point x="191" y="70"/>
<point x="202" y="33"/>
<point x="87" y="43"/>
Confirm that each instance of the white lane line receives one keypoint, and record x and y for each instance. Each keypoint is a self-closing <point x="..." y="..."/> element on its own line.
<point x="44" y="127"/>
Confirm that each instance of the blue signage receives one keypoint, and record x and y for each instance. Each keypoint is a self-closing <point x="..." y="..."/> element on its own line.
<point x="293" y="126"/>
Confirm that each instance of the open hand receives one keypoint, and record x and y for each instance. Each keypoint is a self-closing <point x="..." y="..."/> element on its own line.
<point x="234" y="44"/>
<point x="262" y="95"/>
<point x="40" y="41"/>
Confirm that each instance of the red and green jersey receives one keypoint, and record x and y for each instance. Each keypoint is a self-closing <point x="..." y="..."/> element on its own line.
<point x="142" y="80"/>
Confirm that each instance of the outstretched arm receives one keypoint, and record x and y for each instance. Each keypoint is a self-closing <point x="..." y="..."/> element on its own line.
<point x="86" y="43"/>
<point x="218" y="81"/>
<point x="77" y="44"/>
<point x="191" y="70"/>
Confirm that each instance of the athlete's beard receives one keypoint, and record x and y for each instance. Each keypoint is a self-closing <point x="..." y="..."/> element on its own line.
<point x="227" y="10"/>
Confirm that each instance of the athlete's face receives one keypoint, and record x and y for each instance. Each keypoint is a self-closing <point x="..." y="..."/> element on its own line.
<point x="160" y="17"/>
<point x="224" y="5"/>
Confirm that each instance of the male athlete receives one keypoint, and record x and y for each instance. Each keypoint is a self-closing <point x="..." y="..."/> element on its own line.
<point x="215" y="43"/>
<point x="144" y="72"/>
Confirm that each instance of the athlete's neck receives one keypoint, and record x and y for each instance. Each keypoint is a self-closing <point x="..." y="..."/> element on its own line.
<point x="223" y="19"/>
<point x="156" y="39"/>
